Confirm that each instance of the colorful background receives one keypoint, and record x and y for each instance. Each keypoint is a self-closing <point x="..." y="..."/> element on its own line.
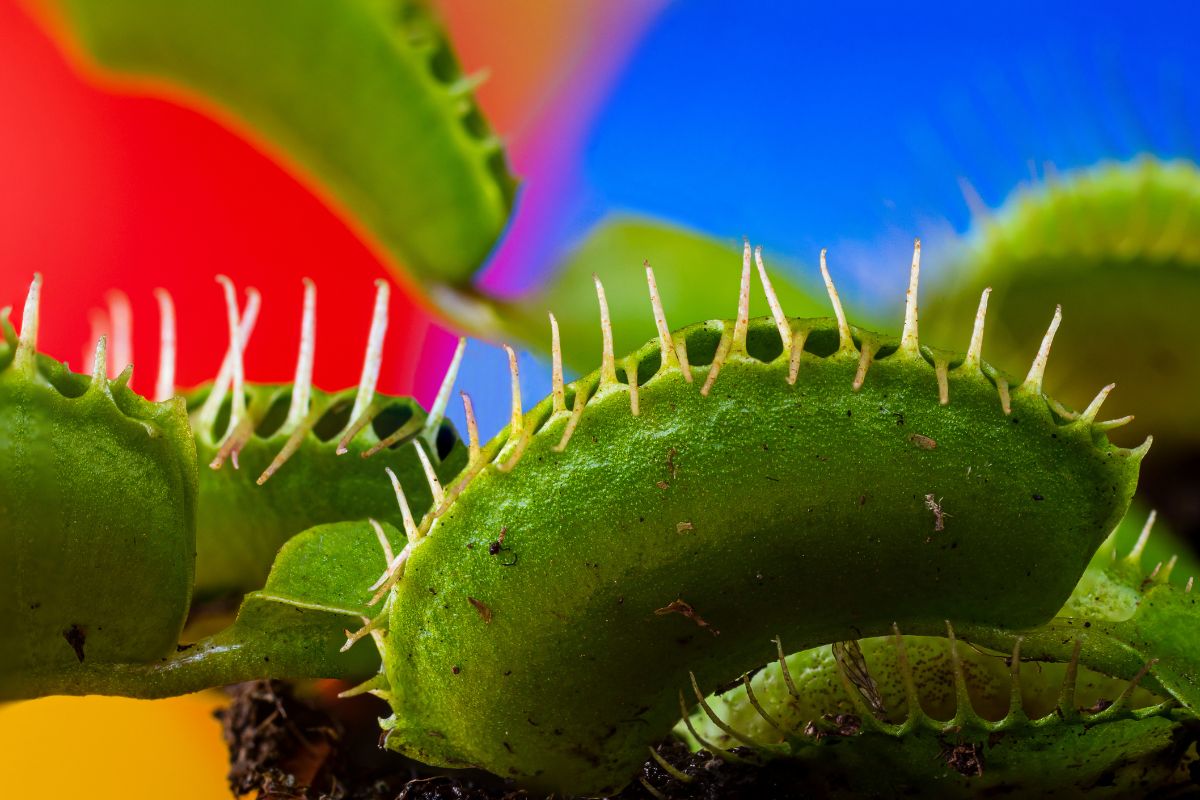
<point x="803" y="126"/>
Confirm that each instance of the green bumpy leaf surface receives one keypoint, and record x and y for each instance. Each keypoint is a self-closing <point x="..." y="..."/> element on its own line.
<point x="294" y="627"/>
<point x="691" y="269"/>
<point x="97" y="527"/>
<point x="241" y="525"/>
<point x="1117" y="246"/>
<point x="762" y="508"/>
<point x="366" y="96"/>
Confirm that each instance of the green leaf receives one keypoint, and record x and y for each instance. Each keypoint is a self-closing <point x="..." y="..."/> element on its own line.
<point x="697" y="277"/>
<point x="365" y="96"/>
<point x="293" y="628"/>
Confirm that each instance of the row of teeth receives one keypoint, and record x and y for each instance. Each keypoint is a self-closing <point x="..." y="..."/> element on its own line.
<point x="674" y="355"/>
<point x="863" y="695"/>
<point x="861" y="691"/>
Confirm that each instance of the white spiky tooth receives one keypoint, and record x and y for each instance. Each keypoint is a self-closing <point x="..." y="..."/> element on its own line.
<point x="781" y="320"/>
<point x="435" y="486"/>
<point x="556" y="370"/>
<point x="373" y="357"/>
<point x="608" y="366"/>
<point x="472" y="429"/>
<point x="383" y="541"/>
<point x="120" y="315"/>
<point x="665" y="343"/>
<point x="1033" y="381"/>
<point x="1142" y="449"/>
<point x="353" y="638"/>
<point x="631" y="376"/>
<point x="1109" y="545"/>
<point x="1089" y="413"/>
<point x="100" y="363"/>
<point x="573" y="420"/>
<point x="909" y="340"/>
<point x="742" y="321"/>
<point x="238" y="375"/>
<point x="714" y="369"/>
<point x="517" y="425"/>
<point x="98" y="327"/>
<point x="864" y="363"/>
<point x="1113" y="424"/>
<point x="410" y="526"/>
<point x="356" y="427"/>
<point x="1135" y="555"/>
<point x="293" y="443"/>
<point x="26" y="354"/>
<point x="671" y="354"/>
<point x="716" y="720"/>
<point x="1190" y="581"/>
<point x="1168" y="568"/>
<point x="390" y="576"/>
<point x="305" y="357"/>
<point x="164" y="385"/>
<point x="845" y="340"/>
<point x="437" y="412"/>
<point x="975" y="349"/>
<point x="212" y="405"/>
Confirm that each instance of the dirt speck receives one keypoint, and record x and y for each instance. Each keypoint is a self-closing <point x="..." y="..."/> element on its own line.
<point x="939" y="515"/>
<point x="923" y="442"/>
<point x="684" y="527"/>
<point x="76" y="637"/>
<point x="685" y="609"/>
<point x="482" y="608"/>
<point x="833" y="725"/>
<point x="964" y="758"/>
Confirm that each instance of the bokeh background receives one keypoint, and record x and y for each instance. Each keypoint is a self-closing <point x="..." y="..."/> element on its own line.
<point x="853" y="127"/>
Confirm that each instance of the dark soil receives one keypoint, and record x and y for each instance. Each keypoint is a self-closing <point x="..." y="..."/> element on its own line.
<point x="287" y="748"/>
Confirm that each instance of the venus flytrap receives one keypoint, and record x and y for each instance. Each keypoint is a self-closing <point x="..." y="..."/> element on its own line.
<point x="97" y="512"/>
<point x="1101" y="700"/>
<point x="615" y="495"/>
<point x="728" y="482"/>
<point x="295" y="456"/>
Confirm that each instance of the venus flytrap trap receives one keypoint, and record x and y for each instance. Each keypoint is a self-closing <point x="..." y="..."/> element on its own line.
<point x="614" y="496"/>
<point x="97" y="513"/>
<point x="1116" y="243"/>
<point x="1100" y="700"/>
<point x="262" y="459"/>
<point x="246" y="433"/>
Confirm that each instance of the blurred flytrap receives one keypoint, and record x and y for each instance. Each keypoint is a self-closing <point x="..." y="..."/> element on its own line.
<point x="385" y="123"/>
<point x="1117" y="244"/>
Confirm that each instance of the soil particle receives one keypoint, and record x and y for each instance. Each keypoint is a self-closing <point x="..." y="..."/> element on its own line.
<point x="965" y="759"/>
<point x="277" y="744"/>
<point x="286" y="748"/>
